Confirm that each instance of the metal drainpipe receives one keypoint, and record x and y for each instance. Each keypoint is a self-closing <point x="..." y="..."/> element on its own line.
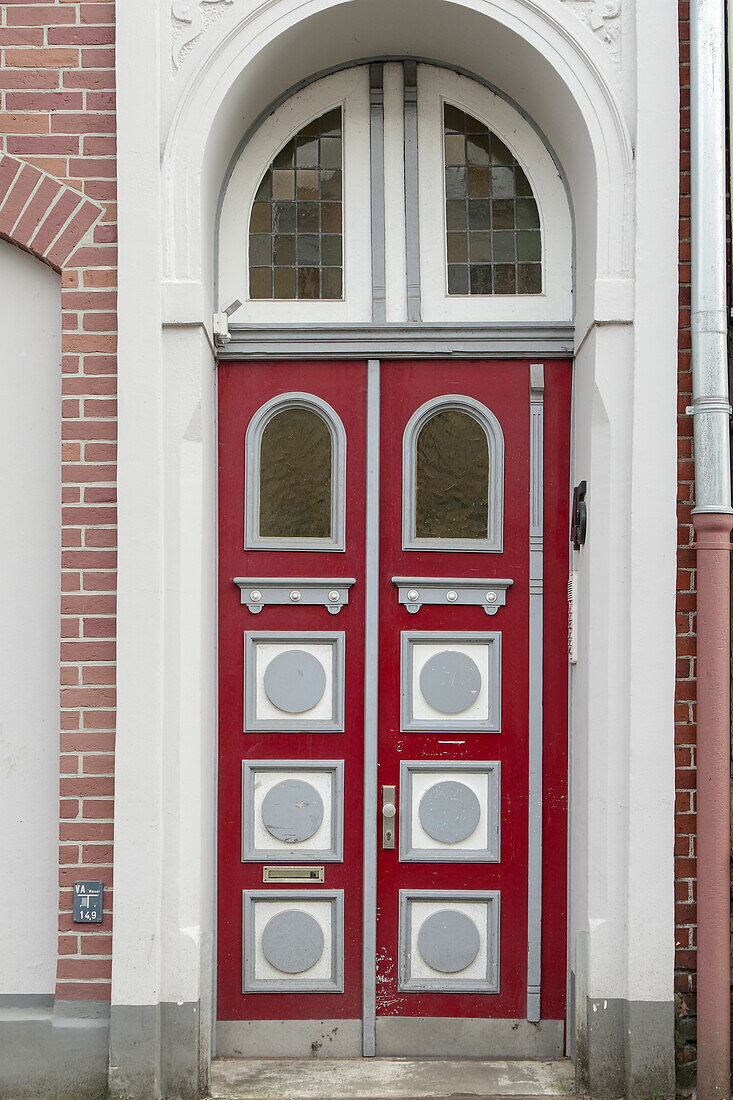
<point x="713" y="521"/>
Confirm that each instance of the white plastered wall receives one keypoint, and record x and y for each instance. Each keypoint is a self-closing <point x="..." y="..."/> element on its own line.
<point x="30" y="581"/>
<point x="622" y="786"/>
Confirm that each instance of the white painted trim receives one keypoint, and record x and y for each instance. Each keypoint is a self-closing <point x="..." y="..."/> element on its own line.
<point x="30" y="599"/>
<point x="439" y="86"/>
<point x="348" y="89"/>
<point x="624" y="442"/>
<point x="394" y="192"/>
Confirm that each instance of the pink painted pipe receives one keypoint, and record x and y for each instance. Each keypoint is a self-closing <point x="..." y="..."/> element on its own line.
<point x="713" y="532"/>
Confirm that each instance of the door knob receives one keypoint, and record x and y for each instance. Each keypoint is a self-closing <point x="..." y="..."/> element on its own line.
<point x="389" y="815"/>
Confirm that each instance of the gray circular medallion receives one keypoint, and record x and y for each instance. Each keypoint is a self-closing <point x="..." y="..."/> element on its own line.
<point x="448" y="941"/>
<point x="450" y="681"/>
<point x="292" y="811"/>
<point x="294" y="681"/>
<point x="292" y="941"/>
<point x="449" y="811"/>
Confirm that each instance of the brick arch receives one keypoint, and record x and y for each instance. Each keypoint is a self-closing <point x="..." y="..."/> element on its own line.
<point x="41" y="215"/>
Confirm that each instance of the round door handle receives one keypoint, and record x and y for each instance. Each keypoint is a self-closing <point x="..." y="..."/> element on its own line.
<point x="388" y="810"/>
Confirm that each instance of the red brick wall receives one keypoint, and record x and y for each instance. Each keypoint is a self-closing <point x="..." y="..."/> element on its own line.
<point x="57" y="114"/>
<point x="685" y="730"/>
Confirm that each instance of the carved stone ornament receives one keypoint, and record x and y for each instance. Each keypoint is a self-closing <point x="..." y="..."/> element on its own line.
<point x="602" y="16"/>
<point x="189" y="20"/>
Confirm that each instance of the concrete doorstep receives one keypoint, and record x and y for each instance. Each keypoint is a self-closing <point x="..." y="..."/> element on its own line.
<point x="387" y="1079"/>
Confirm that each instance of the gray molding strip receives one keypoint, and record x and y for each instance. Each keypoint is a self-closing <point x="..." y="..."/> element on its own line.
<point x="376" y="138"/>
<point x="394" y="340"/>
<point x="412" y="219"/>
<point x="413" y="592"/>
<point x="536" y="563"/>
<point x="258" y="592"/>
<point x="371" y="711"/>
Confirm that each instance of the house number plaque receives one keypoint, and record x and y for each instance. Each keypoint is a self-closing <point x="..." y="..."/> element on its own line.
<point x="88" y="899"/>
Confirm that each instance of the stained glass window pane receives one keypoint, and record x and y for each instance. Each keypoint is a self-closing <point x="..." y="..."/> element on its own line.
<point x="452" y="478"/>
<point x="295" y="227"/>
<point x="295" y="476"/>
<point x="494" y="242"/>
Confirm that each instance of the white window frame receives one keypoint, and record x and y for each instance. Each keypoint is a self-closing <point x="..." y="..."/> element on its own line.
<point x="436" y="87"/>
<point x="349" y="90"/>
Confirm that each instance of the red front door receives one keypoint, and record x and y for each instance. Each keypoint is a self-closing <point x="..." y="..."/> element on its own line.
<point x="393" y="533"/>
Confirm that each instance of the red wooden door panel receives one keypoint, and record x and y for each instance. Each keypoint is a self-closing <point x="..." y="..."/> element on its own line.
<point x="243" y="389"/>
<point x="505" y="390"/>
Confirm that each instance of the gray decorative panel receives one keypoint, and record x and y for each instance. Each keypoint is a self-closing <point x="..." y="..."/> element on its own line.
<point x="259" y="592"/>
<point x="451" y="681"/>
<point x="449" y="941"/>
<point x="292" y="810"/>
<point x="449" y="811"/>
<point x="293" y="941"/>
<point x="293" y="682"/>
<point x="449" y="592"/>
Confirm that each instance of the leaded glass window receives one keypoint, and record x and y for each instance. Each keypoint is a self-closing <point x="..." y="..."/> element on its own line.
<point x="452" y="478"/>
<point x="295" y="228"/>
<point x="295" y="476"/>
<point x="493" y="232"/>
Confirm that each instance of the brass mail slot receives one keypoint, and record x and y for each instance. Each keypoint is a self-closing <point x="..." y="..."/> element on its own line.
<point x="281" y="873"/>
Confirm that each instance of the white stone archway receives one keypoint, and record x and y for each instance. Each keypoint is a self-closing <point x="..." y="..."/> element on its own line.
<point x="622" y="778"/>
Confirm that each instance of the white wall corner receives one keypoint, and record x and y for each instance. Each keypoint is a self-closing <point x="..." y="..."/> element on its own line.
<point x="614" y="301"/>
<point x="186" y="302"/>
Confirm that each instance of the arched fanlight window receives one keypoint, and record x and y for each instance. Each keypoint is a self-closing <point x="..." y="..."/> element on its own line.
<point x="295" y="226"/>
<point x="453" y="477"/>
<point x="295" y="458"/>
<point x="493" y="235"/>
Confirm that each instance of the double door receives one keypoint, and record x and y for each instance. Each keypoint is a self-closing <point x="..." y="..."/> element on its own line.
<point x="393" y="707"/>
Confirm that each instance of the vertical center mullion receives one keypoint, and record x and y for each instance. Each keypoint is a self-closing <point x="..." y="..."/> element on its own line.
<point x="371" y="700"/>
<point x="376" y="132"/>
<point x="412" y="221"/>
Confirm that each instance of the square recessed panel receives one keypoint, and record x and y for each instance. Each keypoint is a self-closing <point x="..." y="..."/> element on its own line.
<point x="293" y="941"/>
<point x="449" y="811"/>
<point x="292" y="810"/>
<point x="294" y="681"/>
<point x="451" y="681"/>
<point x="449" y="941"/>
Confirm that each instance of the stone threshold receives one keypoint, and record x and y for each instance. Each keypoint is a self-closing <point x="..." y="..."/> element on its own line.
<point x="388" y="1079"/>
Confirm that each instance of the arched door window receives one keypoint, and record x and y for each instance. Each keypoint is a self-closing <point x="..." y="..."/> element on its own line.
<point x="453" y="477"/>
<point x="295" y="458"/>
